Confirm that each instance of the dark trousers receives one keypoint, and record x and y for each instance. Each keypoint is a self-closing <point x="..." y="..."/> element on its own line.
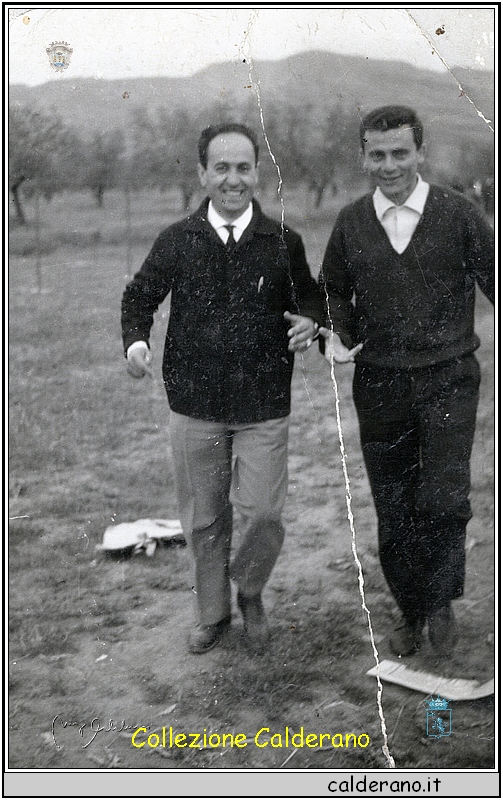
<point x="417" y="429"/>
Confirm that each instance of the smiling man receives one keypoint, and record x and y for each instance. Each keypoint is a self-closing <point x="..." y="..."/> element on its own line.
<point x="228" y="170"/>
<point x="242" y="302"/>
<point x="400" y="272"/>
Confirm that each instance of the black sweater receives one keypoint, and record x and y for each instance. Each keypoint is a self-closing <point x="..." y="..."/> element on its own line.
<point x="416" y="308"/>
<point x="226" y="356"/>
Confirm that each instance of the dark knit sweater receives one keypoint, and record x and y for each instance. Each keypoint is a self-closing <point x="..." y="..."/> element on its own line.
<point x="226" y="356"/>
<point x="416" y="308"/>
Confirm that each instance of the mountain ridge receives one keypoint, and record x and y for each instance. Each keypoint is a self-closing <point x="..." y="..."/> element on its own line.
<point x="353" y="82"/>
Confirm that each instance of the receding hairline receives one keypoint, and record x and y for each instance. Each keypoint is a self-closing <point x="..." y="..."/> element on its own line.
<point x="225" y="135"/>
<point x="213" y="131"/>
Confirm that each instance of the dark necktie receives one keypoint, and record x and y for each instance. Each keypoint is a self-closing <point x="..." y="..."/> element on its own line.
<point x="231" y="242"/>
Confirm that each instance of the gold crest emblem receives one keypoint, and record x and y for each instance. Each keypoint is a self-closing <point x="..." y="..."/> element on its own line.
<point x="59" y="55"/>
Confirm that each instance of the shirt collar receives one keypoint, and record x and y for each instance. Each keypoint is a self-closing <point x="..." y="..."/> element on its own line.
<point x="217" y="221"/>
<point x="415" y="201"/>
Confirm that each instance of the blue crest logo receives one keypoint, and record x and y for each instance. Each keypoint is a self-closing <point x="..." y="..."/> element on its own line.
<point x="59" y="55"/>
<point x="438" y="717"/>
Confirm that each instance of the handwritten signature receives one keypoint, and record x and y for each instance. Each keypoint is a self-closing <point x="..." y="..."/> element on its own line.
<point x="89" y="729"/>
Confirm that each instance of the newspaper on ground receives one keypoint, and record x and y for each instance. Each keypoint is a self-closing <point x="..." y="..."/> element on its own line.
<point x="449" y="688"/>
<point x="142" y="536"/>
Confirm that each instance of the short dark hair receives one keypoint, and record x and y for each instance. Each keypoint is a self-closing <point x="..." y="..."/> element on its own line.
<point x="211" y="131"/>
<point x="389" y="117"/>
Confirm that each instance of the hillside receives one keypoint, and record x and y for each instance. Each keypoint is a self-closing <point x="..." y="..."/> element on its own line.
<point x="315" y="78"/>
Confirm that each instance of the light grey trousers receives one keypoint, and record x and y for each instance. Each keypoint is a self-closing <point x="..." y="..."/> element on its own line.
<point x="218" y="468"/>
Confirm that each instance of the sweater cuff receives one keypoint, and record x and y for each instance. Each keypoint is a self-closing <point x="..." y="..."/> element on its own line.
<point x="139" y="345"/>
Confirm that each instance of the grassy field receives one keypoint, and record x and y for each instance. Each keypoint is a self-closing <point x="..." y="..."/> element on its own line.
<point x="95" y="637"/>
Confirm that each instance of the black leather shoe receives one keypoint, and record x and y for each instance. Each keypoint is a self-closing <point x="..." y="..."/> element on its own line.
<point x="204" y="637"/>
<point x="255" y="621"/>
<point x="443" y="631"/>
<point x="407" y="637"/>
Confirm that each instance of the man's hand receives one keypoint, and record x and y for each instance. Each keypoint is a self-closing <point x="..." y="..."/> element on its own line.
<point x="335" y="350"/>
<point x="139" y="359"/>
<point x="302" y="332"/>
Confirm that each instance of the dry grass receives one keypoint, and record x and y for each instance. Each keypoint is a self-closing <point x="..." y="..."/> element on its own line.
<point x="89" y="447"/>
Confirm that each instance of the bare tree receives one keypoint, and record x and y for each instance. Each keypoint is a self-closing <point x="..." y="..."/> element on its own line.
<point x="104" y="161"/>
<point x="165" y="151"/>
<point x="41" y="155"/>
<point x="314" y="146"/>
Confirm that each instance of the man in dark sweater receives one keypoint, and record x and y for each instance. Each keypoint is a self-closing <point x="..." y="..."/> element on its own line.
<point x="242" y="301"/>
<point x="400" y="272"/>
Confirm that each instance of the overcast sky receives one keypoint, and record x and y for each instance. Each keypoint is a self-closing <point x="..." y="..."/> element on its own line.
<point x="142" y="41"/>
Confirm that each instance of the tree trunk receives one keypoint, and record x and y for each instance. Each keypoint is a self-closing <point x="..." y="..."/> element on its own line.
<point x="186" y="197"/>
<point x="318" y="195"/>
<point x="99" y="191"/>
<point x="17" y="202"/>
<point x="127" y="226"/>
<point x="38" y="253"/>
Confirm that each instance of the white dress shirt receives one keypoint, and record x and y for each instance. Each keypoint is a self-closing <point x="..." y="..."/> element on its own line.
<point x="400" y="222"/>
<point x="220" y="224"/>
